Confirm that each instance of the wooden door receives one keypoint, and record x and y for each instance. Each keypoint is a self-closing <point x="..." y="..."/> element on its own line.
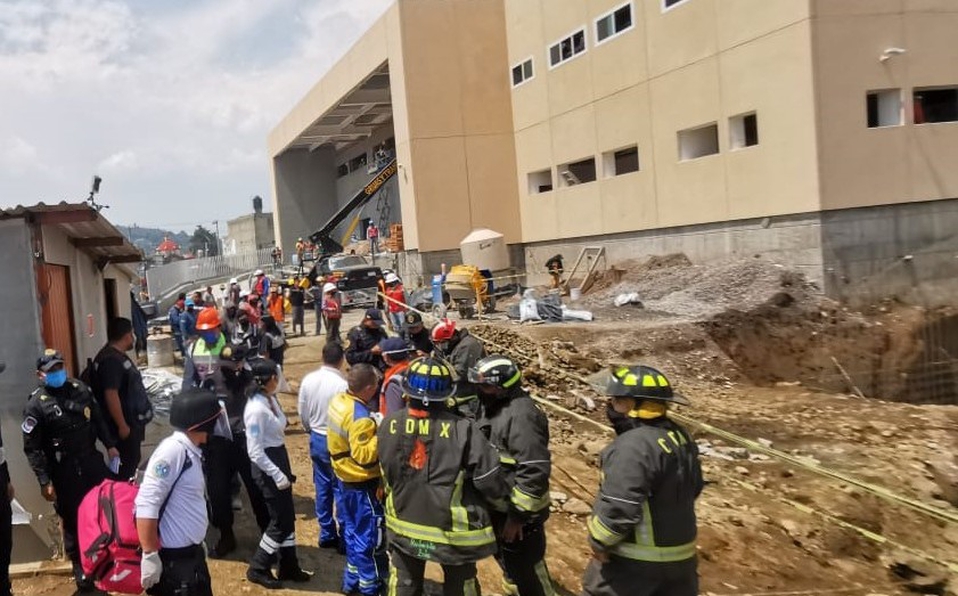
<point x="57" y="313"/>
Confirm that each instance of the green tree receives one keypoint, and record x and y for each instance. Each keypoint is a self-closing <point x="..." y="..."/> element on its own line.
<point x="204" y="240"/>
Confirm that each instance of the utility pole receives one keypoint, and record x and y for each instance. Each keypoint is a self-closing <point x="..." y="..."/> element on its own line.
<point x="219" y="244"/>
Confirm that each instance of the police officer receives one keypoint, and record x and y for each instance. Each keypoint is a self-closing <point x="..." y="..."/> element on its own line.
<point x="416" y="334"/>
<point x="265" y="442"/>
<point x="6" y="517"/>
<point x="61" y="423"/>
<point x="520" y="432"/>
<point x="441" y="477"/>
<point x="171" y="500"/>
<point x="233" y="384"/>
<point x="462" y="351"/>
<point x="364" y="339"/>
<point x="642" y="529"/>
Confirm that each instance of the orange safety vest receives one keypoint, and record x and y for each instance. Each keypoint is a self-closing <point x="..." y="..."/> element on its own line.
<point x="394" y="370"/>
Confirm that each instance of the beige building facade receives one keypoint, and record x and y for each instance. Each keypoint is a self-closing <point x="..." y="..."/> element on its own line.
<point x="816" y="132"/>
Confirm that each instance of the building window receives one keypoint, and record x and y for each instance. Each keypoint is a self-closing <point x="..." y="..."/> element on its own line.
<point x="616" y="22"/>
<point x="668" y="4"/>
<point x="743" y="131"/>
<point x="936" y="104"/>
<point x="622" y="161"/>
<point x="883" y="108"/>
<point x="522" y="72"/>
<point x="357" y="163"/>
<point x="698" y="142"/>
<point x="342" y="170"/>
<point x="567" y="49"/>
<point x="540" y="182"/>
<point x="577" y="172"/>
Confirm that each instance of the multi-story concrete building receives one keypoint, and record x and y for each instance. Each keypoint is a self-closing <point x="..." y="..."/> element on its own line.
<point x="816" y="132"/>
<point x="250" y="232"/>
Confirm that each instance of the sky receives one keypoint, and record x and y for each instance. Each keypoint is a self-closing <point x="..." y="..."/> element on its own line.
<point x="168" y="101"/>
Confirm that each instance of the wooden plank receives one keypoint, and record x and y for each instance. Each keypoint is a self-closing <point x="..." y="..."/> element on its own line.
<point x="35" y="568"/>
<point x="95" y="242"/>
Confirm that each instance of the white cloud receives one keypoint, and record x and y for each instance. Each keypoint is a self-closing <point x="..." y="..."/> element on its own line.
<point x="179" y="96"/>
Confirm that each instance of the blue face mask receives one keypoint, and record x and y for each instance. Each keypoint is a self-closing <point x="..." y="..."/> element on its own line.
<point x="210" y="337"/>
<point x="56" y="379"/>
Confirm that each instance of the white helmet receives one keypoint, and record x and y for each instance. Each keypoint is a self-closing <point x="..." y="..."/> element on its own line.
<point x="233" y="280"/>
<point x="391" y="278"/>
<point x="258" y="272"/>
<point x="329" y="287"/>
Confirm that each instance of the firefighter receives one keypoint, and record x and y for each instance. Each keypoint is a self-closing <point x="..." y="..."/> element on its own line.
<point x="520" y="432"/>
<point x="462" y="351"/>
<point x="642" y="528"/>
<point x="233" y="385"/>
<point x="355" y="458"/>
<point x="61" y="424"/>
<point x="204" y="355"/>
<point x="441" y="477"/>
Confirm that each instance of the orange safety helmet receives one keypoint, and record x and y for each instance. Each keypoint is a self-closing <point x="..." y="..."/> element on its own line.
<point x="208" y="319"/>
<point x="444" y="330"/>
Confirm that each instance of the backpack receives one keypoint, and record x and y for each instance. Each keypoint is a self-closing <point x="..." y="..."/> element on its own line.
<point x="109" y="544"/>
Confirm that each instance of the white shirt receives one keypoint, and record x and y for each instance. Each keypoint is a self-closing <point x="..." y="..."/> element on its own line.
<point x="315" y="392"/>
<point x="265" y="427"/>
<point x="184" y="522"/>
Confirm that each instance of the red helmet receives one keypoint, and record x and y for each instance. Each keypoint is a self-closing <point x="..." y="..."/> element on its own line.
<point x="209" y="318"/>
<point x="444" y="330"/>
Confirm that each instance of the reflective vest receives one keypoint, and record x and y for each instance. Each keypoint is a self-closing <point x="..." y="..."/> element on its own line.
<point x="351" y="438"/>
<point x="396" y="371"/>
<point x="206" y="360"/>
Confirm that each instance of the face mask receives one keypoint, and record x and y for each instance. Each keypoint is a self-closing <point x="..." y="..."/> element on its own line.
<point x="210" y="337"/>
<point x="55" y="379"/>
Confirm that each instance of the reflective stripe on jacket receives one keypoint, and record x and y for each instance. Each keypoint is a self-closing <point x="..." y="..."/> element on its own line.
<point x="352" y="440"/>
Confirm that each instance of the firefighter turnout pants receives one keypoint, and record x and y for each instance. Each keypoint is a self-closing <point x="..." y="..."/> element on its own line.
<point x="225" y="459"/>
<point x="184" y="573"/>
<point x="364" y="535"/>
<point x="328" y="490"/>
<point x="406" y="576"/>
<point x="279" y="539"/>
<point x="523" y="561"/>
<point x="640" y="578"/>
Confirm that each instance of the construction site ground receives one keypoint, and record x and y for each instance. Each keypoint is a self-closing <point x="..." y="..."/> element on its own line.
<point x="760" y="353"/>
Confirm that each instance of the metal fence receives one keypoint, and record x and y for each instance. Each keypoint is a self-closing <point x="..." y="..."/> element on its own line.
<point x="166" y="278"/>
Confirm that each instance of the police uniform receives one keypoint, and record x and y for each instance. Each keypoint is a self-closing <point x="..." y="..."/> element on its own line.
<point x="60" y="428"/>
<point x="441" y="477"/>
<point x="520" y="432"/>
<point x="354" y="455"/>
<point x="644" y="515"/>
<point x="420" y="340"/>
<point x="174" y="476"/>
<point x="265" y="442"/>
<point x="226" y="458"/>
<point x="362" y="339"/>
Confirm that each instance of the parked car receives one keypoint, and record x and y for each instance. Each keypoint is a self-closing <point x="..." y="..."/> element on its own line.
<point x="356" y="278"/>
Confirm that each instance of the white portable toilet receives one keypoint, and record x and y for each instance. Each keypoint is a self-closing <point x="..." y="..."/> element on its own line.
<point x="486" y="249"/>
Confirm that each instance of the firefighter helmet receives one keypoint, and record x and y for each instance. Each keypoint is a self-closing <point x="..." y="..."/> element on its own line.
<point x="497" y="371"/>
<point x="208" y="319"/>
<point x="444" y="330"/>
<point x="638" y="381"/>
<point x="428" y="380"/>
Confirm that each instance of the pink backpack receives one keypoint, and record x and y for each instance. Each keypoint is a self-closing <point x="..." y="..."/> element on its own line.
<point x="109" y="544"/>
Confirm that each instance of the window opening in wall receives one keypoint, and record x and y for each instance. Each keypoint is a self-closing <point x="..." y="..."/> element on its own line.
<point x="567" y="49"/>
<point x="610" y="25"/>
<point x="577" y="172"/>
<point x="540" y="182"/>
<point x="358" y="162"/>
<point x="522" y="72"/>
<point x="883" y="108"/>
<point x="667" y="4"/>
<point x="621" y="161"/>
<point x="342" y="170"/>
<point x="743" y="131"/>
<point x="698" y="142"/>
<point x="936" y="104"/>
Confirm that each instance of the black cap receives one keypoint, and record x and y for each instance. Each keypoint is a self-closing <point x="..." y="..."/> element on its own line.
<point x="193" y="407"/>
<point x="49" y="359"/>
<point x="413" y="318"/>
<point x="263" y="370"/>
<point x="373" y="314"/>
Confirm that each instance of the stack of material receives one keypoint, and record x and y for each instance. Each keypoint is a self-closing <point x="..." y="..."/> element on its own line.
<point x="394" y="243"/>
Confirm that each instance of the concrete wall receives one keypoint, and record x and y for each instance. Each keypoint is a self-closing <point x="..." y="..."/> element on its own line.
<point x="305" y="189"/>
<point x="251" y="232"/>
<point x="19" y="295"/>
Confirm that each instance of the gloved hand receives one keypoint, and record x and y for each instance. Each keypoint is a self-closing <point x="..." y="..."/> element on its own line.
<point x="151" y="568"/>
<point x="284" y="483"/>
<point x="377" y="417"/>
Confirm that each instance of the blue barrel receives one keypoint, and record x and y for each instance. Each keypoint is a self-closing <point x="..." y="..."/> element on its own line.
<point x="437" y="289"/>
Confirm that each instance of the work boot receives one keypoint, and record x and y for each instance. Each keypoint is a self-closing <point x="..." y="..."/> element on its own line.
<point x="84" y="584"/>
<point x="294" y="574"/>
<point x="330" y="543"/>
<point x="225" y="545"/>
<point x="263" y="578"/>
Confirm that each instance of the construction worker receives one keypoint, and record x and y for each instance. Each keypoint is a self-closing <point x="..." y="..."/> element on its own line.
<point x="355" y="458"/>
<point x="462" y="351"/>
<point x="642" y="529"/>
<point x="204" y="355"/>
<point x="441" y="477"/>
<point x="61" y="423"/>
<point x="362" y="342"/>
<point x="554" y="267"/>
<point x="416" y="334"/>
<point x="332" y="311"/>
<point x="520" y="432"/>
<point x="266" y="444"/>
<point x="396" y="355"/>
<point x="233" y="384"/>
<point x="276" y="304"/>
